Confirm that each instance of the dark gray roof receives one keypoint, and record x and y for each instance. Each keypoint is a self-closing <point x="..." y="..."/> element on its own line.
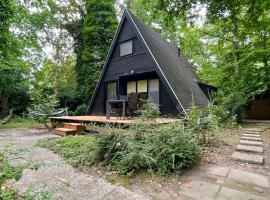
<point x="177" y="70"/>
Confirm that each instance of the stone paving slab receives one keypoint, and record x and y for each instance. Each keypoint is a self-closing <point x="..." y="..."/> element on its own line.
<point x="248" y="177"/>
<point x="230" y="194"/>
<point x="251" y="138"/>
<point x="253" y="129"/>
<point x="218" y="171"/>
<point x="245" y="157"/>
<point x="54" y="175"/>
<point x="252" y="132"/>
<point x="251" y="143"/>
<point x="251" y="135"/>
<point x="200" y="190"/>
<point x="249" y="148"/>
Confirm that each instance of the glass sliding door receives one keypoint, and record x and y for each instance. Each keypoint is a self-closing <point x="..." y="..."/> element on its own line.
<point x="111" y="91"/>
<point x="153" y="91"/>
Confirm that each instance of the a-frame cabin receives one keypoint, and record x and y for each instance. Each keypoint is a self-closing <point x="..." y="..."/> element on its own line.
<point x="141" y="61"/>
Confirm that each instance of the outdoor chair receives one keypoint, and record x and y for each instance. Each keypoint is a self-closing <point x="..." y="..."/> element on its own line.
<point x="116" y="110"/>
<point x="132" y="104"/>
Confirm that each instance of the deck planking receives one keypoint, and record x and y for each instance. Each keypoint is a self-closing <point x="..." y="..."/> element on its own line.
<point x="103" y="120"/>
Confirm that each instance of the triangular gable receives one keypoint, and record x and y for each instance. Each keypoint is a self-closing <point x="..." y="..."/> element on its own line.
<point x="127" y="16"/>
<point x="180" y="76"/>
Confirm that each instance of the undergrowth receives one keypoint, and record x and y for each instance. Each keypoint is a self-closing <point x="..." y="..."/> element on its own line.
<point x="78" y="150"/>
<point x="8" y="172"/>
<point x="18" y="122"/>
<point x="204" y="124"/>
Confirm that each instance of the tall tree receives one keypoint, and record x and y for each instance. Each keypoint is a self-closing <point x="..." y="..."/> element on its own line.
<point x="99" y="25"/>
<point x="231" y="46"/>
<point x="20" y="48"/>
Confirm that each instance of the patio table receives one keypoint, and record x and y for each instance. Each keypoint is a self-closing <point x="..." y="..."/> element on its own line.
<point x="110" y="102"/>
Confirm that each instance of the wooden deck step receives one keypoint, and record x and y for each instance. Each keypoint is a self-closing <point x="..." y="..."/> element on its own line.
<point x="64" y="131"/>
<point x="249" y="158"/>
<point x="76" y="126"/>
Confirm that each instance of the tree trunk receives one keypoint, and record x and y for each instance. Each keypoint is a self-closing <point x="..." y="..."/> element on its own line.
<point x="235" y="41"/>
<point x="4" y="105"/>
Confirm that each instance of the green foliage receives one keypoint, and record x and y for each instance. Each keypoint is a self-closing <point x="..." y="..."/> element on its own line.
<point x="8" y="172"/>
<point x="149" y="110"/>
<point x="228" y="46"/>
<point x="146" y="120"/>
<point x="20" y="122"/>
<point x="99" y="25"/>
<point x="81" y="110"/>
<point x="162" y="150"/>
<point x="204" y="123"/>
<point x="78" y="150"/>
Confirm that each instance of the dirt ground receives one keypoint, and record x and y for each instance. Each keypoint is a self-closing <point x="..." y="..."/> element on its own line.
<point x="221" y="154"/>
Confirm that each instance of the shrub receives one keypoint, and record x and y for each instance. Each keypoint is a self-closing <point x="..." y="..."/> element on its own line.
<point x="149" y="110"/>
<point x="81" y="110"/>
<point x="163" y="150"/>
<point x="175" y="149"/>
<point x="203" y="123"/>
<point x="147" y="118"/>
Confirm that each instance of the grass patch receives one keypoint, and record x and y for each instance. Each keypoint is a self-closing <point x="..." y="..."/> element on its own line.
<point x="21" y="123"/>
<point x="8" y="172"/>
<point x="78" y="150"/>
<point x="116" y="179"/>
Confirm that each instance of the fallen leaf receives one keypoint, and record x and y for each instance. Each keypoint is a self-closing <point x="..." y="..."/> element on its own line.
<point x="187" y="185"/>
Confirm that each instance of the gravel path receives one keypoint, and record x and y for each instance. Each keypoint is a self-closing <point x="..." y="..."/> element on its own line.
<point x="51" y="174"/>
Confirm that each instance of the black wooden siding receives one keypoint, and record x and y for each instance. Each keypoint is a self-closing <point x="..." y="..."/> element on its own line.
<point x="167" y="106"/>
<point x="139" y="61"/>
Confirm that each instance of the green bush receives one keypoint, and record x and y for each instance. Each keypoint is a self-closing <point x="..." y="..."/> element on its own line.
<point x="163" y="150"/>
<point x="79" y="150"/>
<point x="81" y="110"/>
<point x="204" y="123"/>
<point x="149" y="110"/>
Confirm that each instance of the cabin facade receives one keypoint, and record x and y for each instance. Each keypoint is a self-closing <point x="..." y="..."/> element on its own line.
<point x="141" y="61"/>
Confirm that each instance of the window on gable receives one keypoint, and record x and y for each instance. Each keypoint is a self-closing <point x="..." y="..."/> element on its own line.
<point x="126" y="48"/>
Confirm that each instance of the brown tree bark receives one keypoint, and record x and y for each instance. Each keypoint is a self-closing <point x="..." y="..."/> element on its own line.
<point x="4" y="105"/>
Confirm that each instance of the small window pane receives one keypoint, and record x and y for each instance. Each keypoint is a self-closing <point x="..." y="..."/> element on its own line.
<point x="131" y="87"/>
<point x="111" y="91"/>
<point x="153" y="93"/>
<point x="142" y="86"/>
<point x="126" y="48"/>
<point x="154" y="85"/>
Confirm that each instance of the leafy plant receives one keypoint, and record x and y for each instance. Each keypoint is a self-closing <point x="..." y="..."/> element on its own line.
<point x="164" y="150"/>
<point x="204" y="123"/>
<point x="8" y="172"/>
<point x="146" y="119"/>
<point x="81" y="110"/>
<point x="149" y="110"/>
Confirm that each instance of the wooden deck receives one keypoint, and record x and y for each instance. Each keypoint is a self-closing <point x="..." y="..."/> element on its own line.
<point x="103" y="120"/>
